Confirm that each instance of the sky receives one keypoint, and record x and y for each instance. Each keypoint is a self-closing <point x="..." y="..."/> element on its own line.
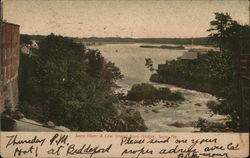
<point x="121" y="18"/>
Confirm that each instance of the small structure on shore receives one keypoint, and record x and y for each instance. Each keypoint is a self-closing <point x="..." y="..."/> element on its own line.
<point x="193" y="54"/>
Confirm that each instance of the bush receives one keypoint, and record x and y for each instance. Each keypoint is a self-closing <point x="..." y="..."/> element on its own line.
<point x="142" y="92"/>
<point x="34" y="112"/>
<point x="200" y="123"/>
<point x="176" y="96"/>
<point x="163" y="93"/>
<point x="8" y="107"/>
<point x="213" y="105"/>
<point x="148" y="92"/>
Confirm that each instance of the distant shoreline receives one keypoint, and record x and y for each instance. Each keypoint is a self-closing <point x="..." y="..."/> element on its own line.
<point x="114" y="40"/>
<point x="163" y="47"/>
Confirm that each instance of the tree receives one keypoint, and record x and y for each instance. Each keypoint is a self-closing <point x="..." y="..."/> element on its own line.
<point x="70" y="91"/>
<point x="149" y="64"/>
<point x="98" y="67"/>
<point x="224" y="30"/>
<point x="226" y="33"/>
<point x="25" y="39"/>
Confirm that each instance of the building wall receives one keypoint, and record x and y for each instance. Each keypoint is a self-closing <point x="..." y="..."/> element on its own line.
<point x="9" y="63"/>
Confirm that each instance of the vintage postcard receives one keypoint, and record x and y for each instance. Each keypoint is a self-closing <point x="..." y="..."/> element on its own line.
<point x="124" y="78"/>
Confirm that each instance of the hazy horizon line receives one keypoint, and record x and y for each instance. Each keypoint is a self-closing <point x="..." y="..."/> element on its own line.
<point x="115" y="37"/>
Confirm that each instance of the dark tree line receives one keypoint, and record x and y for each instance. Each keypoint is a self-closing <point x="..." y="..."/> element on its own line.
<point x="68" y="84"/>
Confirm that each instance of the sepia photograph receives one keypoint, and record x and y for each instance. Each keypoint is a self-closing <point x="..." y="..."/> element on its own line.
<point x="125" y="66"/>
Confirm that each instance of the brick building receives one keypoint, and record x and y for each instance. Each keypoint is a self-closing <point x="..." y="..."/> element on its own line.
<point x="9" y="62"/>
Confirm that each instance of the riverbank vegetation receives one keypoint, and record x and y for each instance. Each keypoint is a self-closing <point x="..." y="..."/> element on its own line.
<point x="66" y="83"/>
<point x="214" y="72"/>
<point x="210" y="73"/>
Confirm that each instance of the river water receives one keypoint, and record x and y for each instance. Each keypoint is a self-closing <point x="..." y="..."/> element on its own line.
<point x="130" y="58"/>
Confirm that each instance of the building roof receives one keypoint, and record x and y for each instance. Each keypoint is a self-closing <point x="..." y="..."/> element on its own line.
<point x="191" y="55"/>
<point x="5" y="22"/>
